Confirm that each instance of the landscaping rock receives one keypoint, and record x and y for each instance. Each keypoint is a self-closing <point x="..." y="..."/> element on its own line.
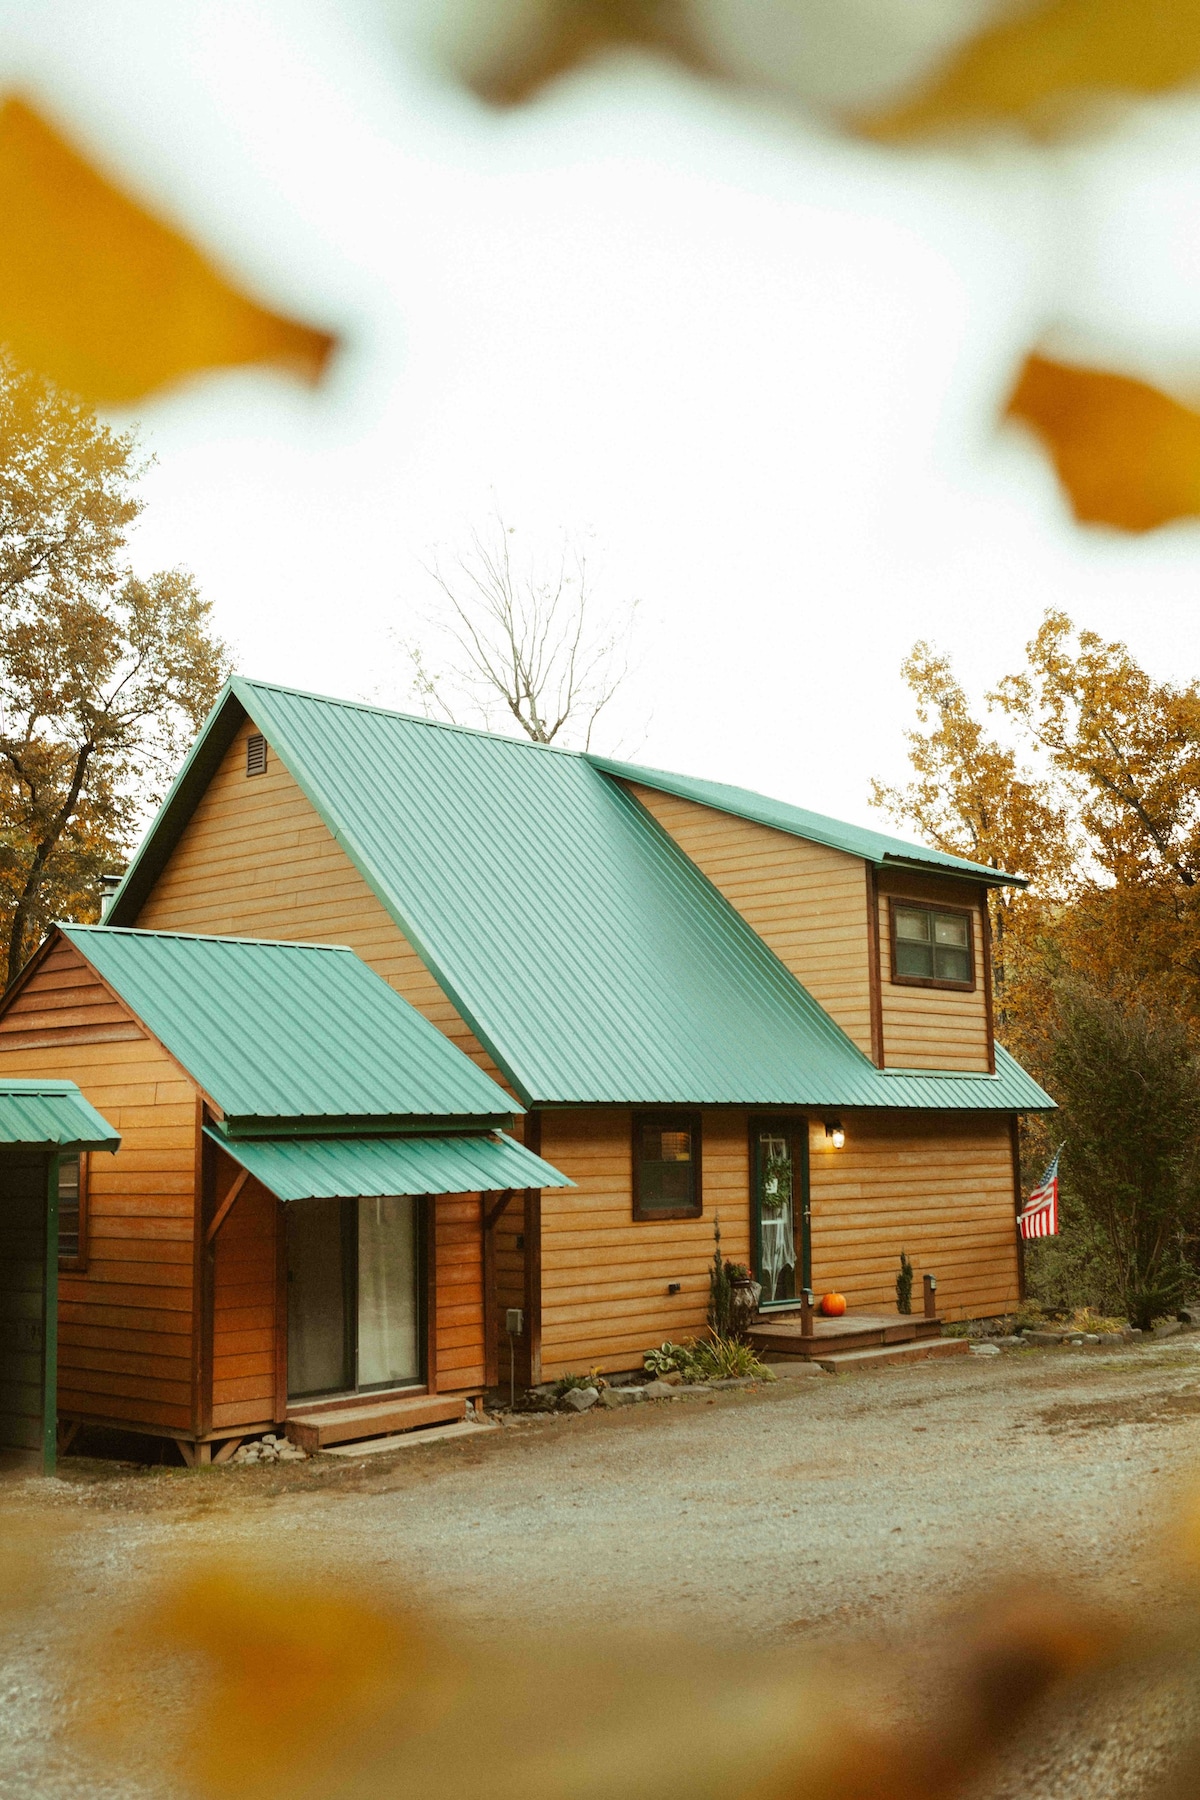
<point x="788" y="1371"/>
<point x="1168" y="1328"/>
<point x="579" y="1399"/>
<point x="732" y="1381"/>
<point x="621" y="1396"/>
<point x="1043" y="1337"/>
<point x="1111" y="1339"/>
<point x="1008" y="1343"/>
<point x="985" y="1349"/>
<point x="659" y="1390"/>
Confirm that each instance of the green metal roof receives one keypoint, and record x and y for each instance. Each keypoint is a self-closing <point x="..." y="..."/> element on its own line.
<point x="354" y="1167"/>
<point x="52" y="1115"/>
<point x="290" y="1031"/>
<point x="857" y="840"/>
<point x="588" y="954"/>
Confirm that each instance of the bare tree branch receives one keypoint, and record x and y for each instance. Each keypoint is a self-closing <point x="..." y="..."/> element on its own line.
<point x="522" y="643"/>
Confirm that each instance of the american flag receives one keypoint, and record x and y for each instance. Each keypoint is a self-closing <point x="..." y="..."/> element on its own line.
<point x="1039" y="1216"/>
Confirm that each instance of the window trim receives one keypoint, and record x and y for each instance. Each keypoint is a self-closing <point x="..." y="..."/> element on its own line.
<point x="669" y="1118"/>
<point x="932" y="906"/>
<point x="78" y="1263"/>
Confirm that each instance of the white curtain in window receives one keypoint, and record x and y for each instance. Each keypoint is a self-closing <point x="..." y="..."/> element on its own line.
<point x="388" y="1319"/>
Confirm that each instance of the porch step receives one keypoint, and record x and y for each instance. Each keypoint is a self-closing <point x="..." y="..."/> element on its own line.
<point x="347" y="1424"/>
<point x="886" y="1356"/>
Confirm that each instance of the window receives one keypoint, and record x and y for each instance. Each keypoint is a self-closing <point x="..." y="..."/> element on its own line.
<point x="932" y="947"/>
<point x="256" y="754"/>
<point x="72" y="1212"/>
<point x="666" y="1166"/>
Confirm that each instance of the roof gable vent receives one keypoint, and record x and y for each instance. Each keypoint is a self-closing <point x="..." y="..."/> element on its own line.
<point x="256" y="754"/>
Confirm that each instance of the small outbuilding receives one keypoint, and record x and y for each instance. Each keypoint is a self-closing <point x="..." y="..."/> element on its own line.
<point x="45" y="1127"/>
<point x="295" y="1230"/>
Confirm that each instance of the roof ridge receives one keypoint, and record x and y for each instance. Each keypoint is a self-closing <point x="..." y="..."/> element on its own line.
<point x="394" y="712"/>
<point x="206" y="937"/>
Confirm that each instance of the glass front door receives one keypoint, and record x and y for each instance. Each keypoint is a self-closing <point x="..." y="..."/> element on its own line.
<point x="783" y="1260"/>
<point x="354" y="1295"/>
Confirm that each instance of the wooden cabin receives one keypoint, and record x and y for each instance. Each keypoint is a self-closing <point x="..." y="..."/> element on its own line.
<point x="708" y="1003"/>
<point x="294" y="1230"/>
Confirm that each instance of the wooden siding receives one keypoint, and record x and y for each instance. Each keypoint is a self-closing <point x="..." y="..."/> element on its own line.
<point x="460" y="1343"/>
<point x="808" y="902"/>
<point x="257" y="860"/>
<point x="939" y="1187"/>
<point x="244" y="1289"/>
<point x="928" y="1027"/>
<point x="125" y="1326"/>
<point x="605" y="1276"/>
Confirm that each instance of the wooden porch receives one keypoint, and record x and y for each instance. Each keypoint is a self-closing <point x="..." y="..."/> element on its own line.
<point x="856" y="1338"/>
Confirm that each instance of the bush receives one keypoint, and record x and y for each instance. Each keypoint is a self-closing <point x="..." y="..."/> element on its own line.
<point x="566" y="1383"/>
<point x="1127" y="1080"/>
<point x="711" y="1359"/>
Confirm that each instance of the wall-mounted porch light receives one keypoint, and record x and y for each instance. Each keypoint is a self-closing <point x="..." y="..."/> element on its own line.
<point x="834" y="1135"/>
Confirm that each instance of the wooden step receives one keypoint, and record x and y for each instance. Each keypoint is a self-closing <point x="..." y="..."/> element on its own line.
<point x="889" y="1355"/>
<point x="360" y="1419"/>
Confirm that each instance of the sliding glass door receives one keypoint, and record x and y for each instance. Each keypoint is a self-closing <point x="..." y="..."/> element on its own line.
<point x="354" y="1295"/>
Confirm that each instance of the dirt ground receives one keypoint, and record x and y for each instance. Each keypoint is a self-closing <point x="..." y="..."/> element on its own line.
<point x="814" y="1515"/>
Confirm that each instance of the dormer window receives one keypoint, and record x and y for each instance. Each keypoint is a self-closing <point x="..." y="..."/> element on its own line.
<point x="932" y="946"/>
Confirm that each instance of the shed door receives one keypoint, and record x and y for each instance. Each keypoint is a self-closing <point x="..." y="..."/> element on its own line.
<point x="354" y="1318"/>
<point x="22" y="1300"/>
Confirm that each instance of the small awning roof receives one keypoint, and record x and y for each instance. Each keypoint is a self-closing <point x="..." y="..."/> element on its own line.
<point x="52" y="1115"/>
<point x="333" y="1168"/>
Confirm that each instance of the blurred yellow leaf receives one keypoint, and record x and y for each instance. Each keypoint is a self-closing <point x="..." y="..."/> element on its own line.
<point x="105" y="299"/>
<point x="1037" y="66"/>
<point x="1127" y="454"/>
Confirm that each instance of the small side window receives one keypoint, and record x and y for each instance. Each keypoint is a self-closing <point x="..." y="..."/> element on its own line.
<point x="932" y="947"/>
<point x="256" y="754"/>
<point x="72" y="1212"/>
<point x="666" y="1166"/>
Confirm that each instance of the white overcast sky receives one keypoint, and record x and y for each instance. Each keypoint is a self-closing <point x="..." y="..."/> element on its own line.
<point x="758" y="366"/>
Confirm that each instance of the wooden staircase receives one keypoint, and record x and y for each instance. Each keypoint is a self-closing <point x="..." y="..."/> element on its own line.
<point x="368" y="1416"/>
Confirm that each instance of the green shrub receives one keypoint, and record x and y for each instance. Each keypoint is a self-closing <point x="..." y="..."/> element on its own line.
<point x="566" y="1383"/>
<point x="707" y="1359"/>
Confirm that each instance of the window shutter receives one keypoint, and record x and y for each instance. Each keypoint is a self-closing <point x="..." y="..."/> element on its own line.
<point x="256" y="754"/>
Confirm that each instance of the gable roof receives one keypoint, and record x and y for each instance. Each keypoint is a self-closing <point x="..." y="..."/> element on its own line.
<point x="589" y="955"/>
<point x="291" y="1033"/>
<point x="51" y="1115"/>
<point x="857" y="840"/>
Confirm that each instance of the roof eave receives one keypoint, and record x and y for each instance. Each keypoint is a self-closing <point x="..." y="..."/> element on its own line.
<point x="976" y="873"/>
<point x="274" y="1125"/>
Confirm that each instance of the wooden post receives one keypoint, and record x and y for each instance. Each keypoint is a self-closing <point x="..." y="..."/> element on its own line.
<point x="531" y="1370"/>
<point x="1018" y="1202"/>
<point x="50" y="1324"/>
<point x="431" y="1295"/>
<point x="930" y="1285"/>
<point x="806" y="1313"/>
<point x="491" y="1210"/>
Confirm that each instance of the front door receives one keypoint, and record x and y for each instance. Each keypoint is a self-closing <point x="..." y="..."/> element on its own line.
<point x="779" y="1172"/>
<point x="354" y="1295"/>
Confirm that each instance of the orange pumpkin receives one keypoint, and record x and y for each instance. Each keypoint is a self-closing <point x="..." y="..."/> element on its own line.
<point x="833" y="1305"/>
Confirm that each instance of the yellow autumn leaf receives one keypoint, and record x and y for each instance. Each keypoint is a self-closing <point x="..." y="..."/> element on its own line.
<point x="105" y="299"/>
<point x="1037" y="66"/>
<point x="1126" y="454"/>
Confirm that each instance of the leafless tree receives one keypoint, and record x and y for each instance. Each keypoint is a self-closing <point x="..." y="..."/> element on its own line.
<point x="516" y="643"/>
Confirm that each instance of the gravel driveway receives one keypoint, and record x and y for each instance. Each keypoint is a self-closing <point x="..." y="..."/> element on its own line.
<point x="820" y="1512"/>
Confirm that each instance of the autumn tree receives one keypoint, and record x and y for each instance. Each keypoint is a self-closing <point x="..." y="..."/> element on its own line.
<point x="104" y="675"/>
<point x="971" y="797"/>
<point x="518" y="643"/>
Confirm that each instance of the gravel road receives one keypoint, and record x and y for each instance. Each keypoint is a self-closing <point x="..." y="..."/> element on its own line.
<point x="823" y="1513"/>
